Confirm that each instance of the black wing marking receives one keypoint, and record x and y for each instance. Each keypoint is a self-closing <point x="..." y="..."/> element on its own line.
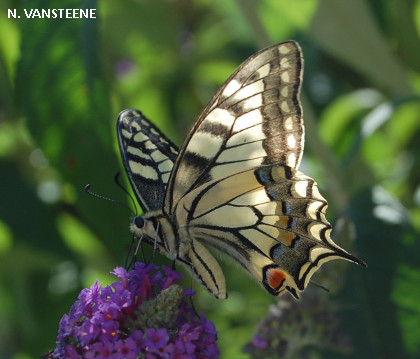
<point x="148" y="157"/>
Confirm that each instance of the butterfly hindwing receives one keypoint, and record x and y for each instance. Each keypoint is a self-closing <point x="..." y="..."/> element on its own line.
<point x="148" y="157"/>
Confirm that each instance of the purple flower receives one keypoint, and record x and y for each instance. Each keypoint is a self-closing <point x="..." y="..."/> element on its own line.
<point x="157" y="338"/>
<point x="144" y="314"/>
<point x="127" y="347"/>
<point x="259" y="342"/>
<point x="104" y="349"/>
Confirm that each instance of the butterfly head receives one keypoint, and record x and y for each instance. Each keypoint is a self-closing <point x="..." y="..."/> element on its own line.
<point x="152" y="230"/>
<point x="137" y="225"/>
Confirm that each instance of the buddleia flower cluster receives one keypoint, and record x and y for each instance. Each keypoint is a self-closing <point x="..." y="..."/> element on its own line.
<point x="143" y="315"/>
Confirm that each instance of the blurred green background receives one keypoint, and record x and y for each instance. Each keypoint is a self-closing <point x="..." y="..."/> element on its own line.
<point x="63" y="83"/>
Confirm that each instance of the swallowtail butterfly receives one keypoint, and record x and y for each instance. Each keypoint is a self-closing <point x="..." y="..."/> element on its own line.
<point x="234" y="185"/>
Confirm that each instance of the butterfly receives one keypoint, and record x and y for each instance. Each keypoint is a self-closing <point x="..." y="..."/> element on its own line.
<point x="234" y="185"/>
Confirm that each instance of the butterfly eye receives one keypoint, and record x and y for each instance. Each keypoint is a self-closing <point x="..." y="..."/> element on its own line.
<point x="138" y="222"/>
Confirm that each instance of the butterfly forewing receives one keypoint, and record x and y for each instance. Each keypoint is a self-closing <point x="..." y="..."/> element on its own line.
<point x="252" y="120"/>
<point x="148" y="158"/>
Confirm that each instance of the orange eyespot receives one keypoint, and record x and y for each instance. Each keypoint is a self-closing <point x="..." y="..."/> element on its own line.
<point x="275" y="278"/>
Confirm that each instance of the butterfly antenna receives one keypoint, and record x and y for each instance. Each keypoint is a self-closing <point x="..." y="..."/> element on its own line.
<point x="96" y="195"/>
<point x="119" y="184"/>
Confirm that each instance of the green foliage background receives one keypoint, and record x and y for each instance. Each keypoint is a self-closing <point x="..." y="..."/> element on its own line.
<point x="63" y="83"/>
